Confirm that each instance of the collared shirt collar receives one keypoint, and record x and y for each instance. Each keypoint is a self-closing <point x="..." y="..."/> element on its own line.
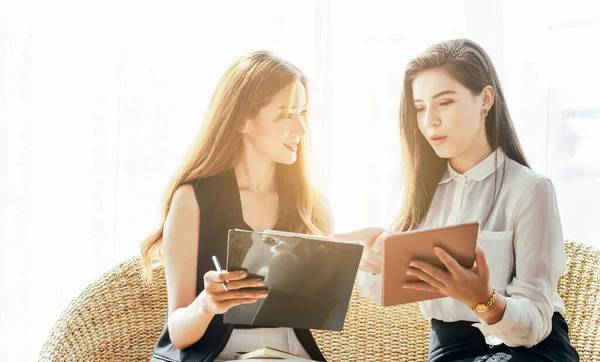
<point x="481" y="171"/>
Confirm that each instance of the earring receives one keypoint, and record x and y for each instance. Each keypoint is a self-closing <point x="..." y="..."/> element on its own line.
<point x="485" y="112"/>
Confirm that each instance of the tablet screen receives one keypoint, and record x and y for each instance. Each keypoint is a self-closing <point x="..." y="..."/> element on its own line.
<point x="310" y="281"/>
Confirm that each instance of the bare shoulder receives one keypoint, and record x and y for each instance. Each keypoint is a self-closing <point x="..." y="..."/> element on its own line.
<point x="183" y="216"/>
<point x="184" y="197"/>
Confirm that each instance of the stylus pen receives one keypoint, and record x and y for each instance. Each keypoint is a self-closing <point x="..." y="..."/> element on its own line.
<point x="219" y="269"/>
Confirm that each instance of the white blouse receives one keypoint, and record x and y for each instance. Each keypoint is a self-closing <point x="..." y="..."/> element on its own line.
<point x="522" y="240"/>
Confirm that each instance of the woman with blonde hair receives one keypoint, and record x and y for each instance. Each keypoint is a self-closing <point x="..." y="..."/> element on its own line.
<point x="247" y="169"/>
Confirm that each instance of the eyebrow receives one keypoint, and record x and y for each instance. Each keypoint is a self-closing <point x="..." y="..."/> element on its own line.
<point x="283" y="107"/>
<point x="440" y="94"/>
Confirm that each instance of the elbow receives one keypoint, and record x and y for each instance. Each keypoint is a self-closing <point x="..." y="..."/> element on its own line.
<point x="179" y="341"/>
<point x="528" y="340"/>
<point x="181" y="346"/>
<point x="526" y="323"/>
<point x="540" y="334"/>
<point x="542" y="324"/>
<point x="540" y="329"/>
<point x="177" y="337"/>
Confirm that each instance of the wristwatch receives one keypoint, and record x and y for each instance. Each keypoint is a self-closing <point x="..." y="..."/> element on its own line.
<point x="483" y="307"/>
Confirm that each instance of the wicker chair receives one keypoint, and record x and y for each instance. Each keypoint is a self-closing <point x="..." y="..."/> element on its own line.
<point x="119" y="318"/>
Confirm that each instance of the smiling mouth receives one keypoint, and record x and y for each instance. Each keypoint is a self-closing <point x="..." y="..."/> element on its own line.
<point x="291" y="146"/>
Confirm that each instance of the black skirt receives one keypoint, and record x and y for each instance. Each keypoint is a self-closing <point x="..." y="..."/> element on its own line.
<point x="461" y="342"/>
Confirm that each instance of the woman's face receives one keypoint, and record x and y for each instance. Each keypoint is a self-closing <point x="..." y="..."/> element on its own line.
<point x="449" y="115"/>
<point x="275" y="133"/>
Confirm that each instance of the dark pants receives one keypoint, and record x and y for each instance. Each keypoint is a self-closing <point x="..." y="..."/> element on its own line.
<point x="461" y="342"/>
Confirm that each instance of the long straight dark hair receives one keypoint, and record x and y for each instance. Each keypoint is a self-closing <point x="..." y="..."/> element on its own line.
<point x="470" y="65"/>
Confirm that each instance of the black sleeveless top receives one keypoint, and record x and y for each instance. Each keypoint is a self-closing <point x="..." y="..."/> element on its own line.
<point x="220" y="210"/>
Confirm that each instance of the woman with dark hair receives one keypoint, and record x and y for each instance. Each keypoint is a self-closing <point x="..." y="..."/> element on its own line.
<point x="463" y="162"/>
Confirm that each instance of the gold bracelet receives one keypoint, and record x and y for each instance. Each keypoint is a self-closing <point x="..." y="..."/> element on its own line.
<point x="483" y="307"/>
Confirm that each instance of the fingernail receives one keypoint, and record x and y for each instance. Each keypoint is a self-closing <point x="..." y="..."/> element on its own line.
<point x="243" y="273"/>
<point x="437" y="249"/>
<point x="409" y="272"/>
<point x="413" y="264"/>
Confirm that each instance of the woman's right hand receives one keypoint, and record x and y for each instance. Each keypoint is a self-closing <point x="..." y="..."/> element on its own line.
<point x="216" y="300"/>
<point x="370" y="239"/>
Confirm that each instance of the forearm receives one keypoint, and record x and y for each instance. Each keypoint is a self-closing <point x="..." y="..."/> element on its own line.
<point x="188" y="324"/>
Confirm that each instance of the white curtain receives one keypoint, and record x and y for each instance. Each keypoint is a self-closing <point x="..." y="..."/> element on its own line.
<point x="99" y="102"/>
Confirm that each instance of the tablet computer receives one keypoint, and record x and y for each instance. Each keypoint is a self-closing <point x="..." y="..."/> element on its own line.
<point x="399" y="249"/>
<point x="309" y="278"/>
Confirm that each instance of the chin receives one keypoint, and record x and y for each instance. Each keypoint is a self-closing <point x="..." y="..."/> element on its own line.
<point x="444" y="152"/>
<point x="287" y="160"/>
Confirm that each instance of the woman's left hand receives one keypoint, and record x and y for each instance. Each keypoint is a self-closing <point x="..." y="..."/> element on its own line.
<point x="470" y="286"/>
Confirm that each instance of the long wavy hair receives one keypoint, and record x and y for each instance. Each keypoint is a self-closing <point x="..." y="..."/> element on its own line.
<point x="248" y="85"/>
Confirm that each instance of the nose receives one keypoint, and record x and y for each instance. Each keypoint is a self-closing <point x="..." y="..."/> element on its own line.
<point x="431" y="119"/>
<point x="298" y="126"/>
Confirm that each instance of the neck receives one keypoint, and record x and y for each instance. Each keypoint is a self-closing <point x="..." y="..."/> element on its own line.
<point x="255" y="172"/>
<point x="478" y="152"/>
